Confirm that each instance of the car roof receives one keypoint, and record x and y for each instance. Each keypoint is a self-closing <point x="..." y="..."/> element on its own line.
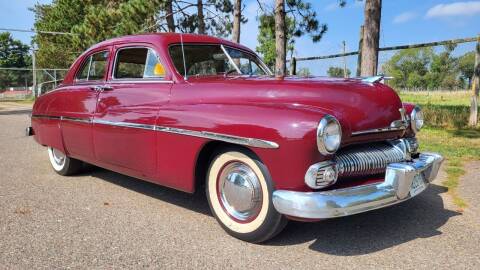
<point x="168" y="38"/>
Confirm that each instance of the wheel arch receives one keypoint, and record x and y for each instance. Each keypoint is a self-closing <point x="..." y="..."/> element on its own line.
<point x="207" y="153"/>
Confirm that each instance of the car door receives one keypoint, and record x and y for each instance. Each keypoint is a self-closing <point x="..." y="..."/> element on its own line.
<point x="78" y="104"/>
<point x="124" y="127"/>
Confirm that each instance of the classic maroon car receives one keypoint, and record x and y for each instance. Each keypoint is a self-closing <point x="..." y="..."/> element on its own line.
<point x="187" y="111"/>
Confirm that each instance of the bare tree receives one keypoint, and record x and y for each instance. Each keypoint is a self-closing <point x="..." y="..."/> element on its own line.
<point x="371" y="37"/>
<point x="237" y="20"/>
<point x="473" y="120"/>
<point x="200" y="17"/>
<point x="280" y="38"/>
<point x="169" y="16"/>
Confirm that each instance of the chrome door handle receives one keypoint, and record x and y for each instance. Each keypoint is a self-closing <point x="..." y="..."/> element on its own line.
<point x="101" y="88"/>
<point x="106" y="88"/>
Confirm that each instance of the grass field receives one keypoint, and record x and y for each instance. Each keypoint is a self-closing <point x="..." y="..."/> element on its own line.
<point x="458" y="147"/>
<point x="445" y="109"/>
<point x="446" y="116"/>
<point x="445" y="98"/>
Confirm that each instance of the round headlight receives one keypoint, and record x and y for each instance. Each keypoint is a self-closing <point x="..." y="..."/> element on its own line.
<point x="416" y="119"/>
<point x="329" y="135"/>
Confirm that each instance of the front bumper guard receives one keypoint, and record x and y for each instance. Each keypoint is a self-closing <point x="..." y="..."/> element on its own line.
<point x="348" y="201"/>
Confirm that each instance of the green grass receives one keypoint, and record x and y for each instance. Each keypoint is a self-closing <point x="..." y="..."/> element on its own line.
<point x="445" y="109"/>
<point x="457" y="146"/>
<point x="20" y="101"/>
<point x="446" y="114"/>
<point x="439" y="98"/>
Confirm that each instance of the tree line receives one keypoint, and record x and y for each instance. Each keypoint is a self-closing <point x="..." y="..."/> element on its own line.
<point x="280" y="23"/>
<point x="426" y="69"/>
<point x="92" y="21"/>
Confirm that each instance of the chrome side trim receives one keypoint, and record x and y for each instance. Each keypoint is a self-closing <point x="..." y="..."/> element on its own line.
<point x="124" y="124"/>
<point x="75" y="119"/>
<point x="200" y="134"/>
<point x="394" y="189"/>
<point x="220" y="137"/>
<point x="39" y="116"/>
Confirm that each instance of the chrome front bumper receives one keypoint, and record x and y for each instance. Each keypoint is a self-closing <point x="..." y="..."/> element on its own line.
<point x="348" y="201"/>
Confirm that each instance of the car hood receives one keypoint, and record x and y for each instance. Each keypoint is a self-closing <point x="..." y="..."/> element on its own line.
<point x="358" y="105"/>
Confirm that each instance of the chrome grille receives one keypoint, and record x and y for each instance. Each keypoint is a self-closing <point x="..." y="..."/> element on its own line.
<point x="368" y="159"/>
<point x="320" y="178"/>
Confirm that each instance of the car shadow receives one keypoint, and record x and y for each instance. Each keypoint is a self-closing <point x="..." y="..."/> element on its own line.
<point x="16" y="112"/>
<point x="196" y="202"/>
<point x="420" y="217"/>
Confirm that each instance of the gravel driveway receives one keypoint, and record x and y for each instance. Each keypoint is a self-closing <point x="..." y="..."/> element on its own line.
<point x="101" y="219"/>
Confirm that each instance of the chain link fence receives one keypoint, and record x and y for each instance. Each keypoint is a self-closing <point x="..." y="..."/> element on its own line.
<point x="25" y="83"/>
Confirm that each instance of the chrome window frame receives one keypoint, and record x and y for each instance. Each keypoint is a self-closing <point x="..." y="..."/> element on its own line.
<point x="222" y="46"/>
<point x="146" y="80"/>
<point x="89" y="58"/>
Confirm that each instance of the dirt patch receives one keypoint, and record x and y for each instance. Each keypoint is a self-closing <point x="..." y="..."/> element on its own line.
<point x="469" y="189"/>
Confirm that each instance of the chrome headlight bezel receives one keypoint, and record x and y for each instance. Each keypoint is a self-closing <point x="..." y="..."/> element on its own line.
<point x="322" y="135"/>
<point x="416" y="119"/>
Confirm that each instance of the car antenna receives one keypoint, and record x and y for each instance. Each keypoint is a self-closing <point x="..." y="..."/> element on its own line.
<point x="183" y="57"/>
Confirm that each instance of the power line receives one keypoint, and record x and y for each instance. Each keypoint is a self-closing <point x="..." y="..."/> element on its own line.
<point x="37" y="31"/>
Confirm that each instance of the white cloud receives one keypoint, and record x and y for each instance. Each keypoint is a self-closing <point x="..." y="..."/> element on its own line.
<point x="454" y="9"/>
<point x="404" y="17"/>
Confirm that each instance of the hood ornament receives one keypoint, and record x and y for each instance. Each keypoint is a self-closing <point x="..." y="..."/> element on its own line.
<point x="375" y="79"/>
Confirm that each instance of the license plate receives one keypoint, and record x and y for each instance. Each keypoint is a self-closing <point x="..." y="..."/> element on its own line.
<point x="418" y="185"/>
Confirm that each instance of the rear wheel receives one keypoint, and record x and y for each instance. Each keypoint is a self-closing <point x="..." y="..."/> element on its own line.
<point x="239" y="191"/>
<point x="62" y="164"/>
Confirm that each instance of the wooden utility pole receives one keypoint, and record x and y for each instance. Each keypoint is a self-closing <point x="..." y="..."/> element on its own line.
<point x="34" y="76"/>
<point x="371" y="37"/>
<point x="293" y="66"/>
<point x="237" y="20"/>
<point x="473" y="120"/>
<point x="359" y="59"/>
<point x="280" y="38"/>
<point x="201" y="18"/>
<point x="345" y="75"/>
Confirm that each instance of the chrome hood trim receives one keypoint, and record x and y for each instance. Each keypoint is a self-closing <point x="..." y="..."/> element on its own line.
<point x="396" y="125"/>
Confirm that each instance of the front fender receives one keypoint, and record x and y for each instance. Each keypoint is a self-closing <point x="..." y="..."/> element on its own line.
<point x="292" y="127"/>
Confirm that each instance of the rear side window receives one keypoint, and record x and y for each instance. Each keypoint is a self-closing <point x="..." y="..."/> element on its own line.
<point x="138" y="63"/>
<point x="94" y="67"/>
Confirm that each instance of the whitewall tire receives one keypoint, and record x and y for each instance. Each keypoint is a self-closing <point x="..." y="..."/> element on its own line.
<point x="239" y="191"/>
<point x="62" y="164"/>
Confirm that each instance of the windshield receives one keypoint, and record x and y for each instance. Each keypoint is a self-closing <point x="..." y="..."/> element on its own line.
<point x="204" y="60"/>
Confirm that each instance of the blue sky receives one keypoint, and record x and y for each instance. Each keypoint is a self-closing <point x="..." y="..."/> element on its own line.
<point x="403" y="22"/>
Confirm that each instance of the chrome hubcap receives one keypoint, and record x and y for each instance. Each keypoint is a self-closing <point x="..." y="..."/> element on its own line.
<point x="240" y="191"/>
<point x="58" y="156"/>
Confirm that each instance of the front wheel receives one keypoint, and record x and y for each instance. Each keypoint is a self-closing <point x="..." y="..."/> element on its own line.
<point x="239" y="191"/>
<point x="62" y="164"/>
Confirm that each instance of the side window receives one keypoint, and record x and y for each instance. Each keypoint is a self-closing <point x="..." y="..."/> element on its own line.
<point x="94" y="67"/>
<point x="138" y="63"/>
